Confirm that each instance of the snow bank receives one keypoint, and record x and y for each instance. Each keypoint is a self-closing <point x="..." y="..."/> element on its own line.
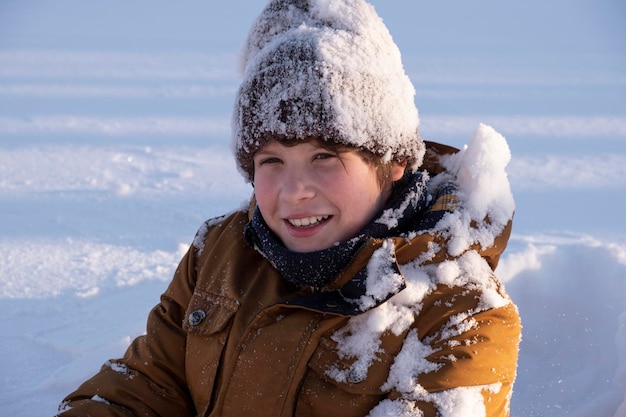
<point x="36" y="269"/>
<point x="571" y="293"/>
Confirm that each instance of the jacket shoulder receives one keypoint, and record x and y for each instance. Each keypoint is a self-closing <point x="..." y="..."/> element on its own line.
<point x="434" y="152"/>
<point x="218" y="228"/>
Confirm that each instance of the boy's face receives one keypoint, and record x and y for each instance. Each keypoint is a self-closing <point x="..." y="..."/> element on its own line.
<point x="312" y="198"/>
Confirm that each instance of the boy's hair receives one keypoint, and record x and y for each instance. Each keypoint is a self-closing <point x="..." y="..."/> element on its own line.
<point x="325" y="69"/>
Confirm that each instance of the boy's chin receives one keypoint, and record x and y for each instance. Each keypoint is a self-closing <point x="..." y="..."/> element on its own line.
<point x="308" y="246"/>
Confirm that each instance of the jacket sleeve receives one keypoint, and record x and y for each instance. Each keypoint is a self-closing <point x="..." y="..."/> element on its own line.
<point x="458" y="361"/>
<point x="460" y="356"/>
<point x="150" y="379"/>
<point x="475" y="363"/>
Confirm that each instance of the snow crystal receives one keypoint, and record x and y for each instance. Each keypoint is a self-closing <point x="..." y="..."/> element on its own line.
<point x="198" y="240"/>
<point x="477" y="274"/>
<point x="447" y="272"/>
<point x="456" y="325"/>
<point x="390" y="216"/>
<point x="480" y="170"/>
<point x="483" y="188"/>
<point x="99" y="399"/>
<point x="356" y="340"/>
<point x="398" y="313"/>
<point x="119" y="368"/>
<point x="464" y="401"/>
<point x="64" y="406"/>
<point x="409" y="363"/>
<point x="395" y="408"/>
<point x="418" y="285"/>
<point x="470" y="271"/>
<point x="382" y="277"/>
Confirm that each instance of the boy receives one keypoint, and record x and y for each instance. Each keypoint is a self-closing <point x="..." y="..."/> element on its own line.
<point x="359" y="281"/>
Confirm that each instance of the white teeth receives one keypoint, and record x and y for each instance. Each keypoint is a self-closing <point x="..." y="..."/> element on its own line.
<point x="307" y="221"/>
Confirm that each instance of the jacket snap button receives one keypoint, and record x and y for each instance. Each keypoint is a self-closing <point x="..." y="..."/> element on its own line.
<point x="356" y="377"/>
<point x="196" y="317"/>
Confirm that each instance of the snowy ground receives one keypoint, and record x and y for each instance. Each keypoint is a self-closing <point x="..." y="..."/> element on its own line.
<point x="114" y="121"/>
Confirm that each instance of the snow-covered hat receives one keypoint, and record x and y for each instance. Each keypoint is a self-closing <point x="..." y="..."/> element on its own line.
<point x="327" y="69"/>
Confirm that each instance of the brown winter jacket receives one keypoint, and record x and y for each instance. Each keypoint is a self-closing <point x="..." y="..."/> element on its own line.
<point x="230" y="337"/>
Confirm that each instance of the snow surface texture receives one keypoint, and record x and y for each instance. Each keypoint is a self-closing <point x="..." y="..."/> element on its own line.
<point x="114" y="149"/>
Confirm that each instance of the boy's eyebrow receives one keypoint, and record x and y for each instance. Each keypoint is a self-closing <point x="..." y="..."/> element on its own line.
<point x="262" y="154"/>
<point x="261" y="151"/>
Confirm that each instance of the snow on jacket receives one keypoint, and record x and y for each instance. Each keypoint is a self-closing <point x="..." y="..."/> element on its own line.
<point x="434" y="333"/>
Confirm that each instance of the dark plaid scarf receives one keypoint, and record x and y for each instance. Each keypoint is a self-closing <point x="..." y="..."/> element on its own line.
<point x="402" y="214"/>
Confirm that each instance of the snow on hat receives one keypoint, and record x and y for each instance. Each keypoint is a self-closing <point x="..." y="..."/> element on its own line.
<point x="327" y="69"/>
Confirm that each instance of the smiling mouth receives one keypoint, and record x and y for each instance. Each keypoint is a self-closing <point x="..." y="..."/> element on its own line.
<point x="308" y="221"/>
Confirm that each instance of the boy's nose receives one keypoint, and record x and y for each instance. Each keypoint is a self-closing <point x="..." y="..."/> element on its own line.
<point x="296" y="186"/>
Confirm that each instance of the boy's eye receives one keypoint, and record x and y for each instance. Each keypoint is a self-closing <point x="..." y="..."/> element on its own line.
<point x="269" y="160"/>
<point x="325" y="155"/>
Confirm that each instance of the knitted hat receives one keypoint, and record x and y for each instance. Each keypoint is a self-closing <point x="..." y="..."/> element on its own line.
<point x="327" y="69"/>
